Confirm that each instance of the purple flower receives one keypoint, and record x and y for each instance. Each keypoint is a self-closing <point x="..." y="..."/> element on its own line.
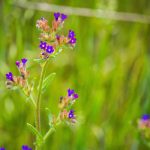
<point x="72" y="40"/>
<point x="18" y="63"/>
<point x="2" y="148"/>
<point x="145" y="117"/>
<point x="71" y="34"/>
<point x="63" y="17"/>
<point x="70" y="92"/>
<point x="56" y="15"/>
<point x="49" y="49"/>
<point x="43" y="45"/>
<point x="25" y="147"/>
<point x="75" y="96"/>
<point x="58" y="37"/>
<point x="9" y="76"/>
<point x="24" y="60"/>
<point x="71" y="114"/>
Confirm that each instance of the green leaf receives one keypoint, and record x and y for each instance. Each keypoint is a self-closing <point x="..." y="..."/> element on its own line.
<point x="47" y="81"/>
<point x="36" y="133"/>
<point x="50" y="117"/>
<point x="38" y="60"/>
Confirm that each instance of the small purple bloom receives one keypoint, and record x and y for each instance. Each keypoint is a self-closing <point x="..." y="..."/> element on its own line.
<point x="56" y="15"/>
<point x="49" y="49"/>
<point x="9" y="76"/>
<point x="24" y="60"/>
<point x="145" y="117"/>
<point x="63" y="17"/>
<point x="75" y="96"/>
<point x="25" y="147"/>
<point x="18" y="63"/>
<point x="2" y="148"/>
<point x="71" y="34"/>
<point x="58" y="37"/>
<point x="70" y="92"/>
<point x="71" y="114"/>
<point x="43" y="45"/>
<point x="72" y="40"/>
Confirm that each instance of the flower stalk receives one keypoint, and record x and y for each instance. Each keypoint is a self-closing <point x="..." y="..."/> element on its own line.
<point x="51" y="44"/>
<point x="38" y="102"/>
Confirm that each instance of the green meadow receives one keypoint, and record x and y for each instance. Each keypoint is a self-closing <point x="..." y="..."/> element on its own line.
<point x="109" y="68"/>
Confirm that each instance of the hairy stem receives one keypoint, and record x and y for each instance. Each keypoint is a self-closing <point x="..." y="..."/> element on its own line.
<point x="38" y="102"/>
<point x="50" y="131"/>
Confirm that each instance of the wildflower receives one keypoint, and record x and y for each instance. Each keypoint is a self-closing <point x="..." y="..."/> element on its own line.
<point x="42" y="24"/>
<point x="9" y="76"/>
<point x="63" y="17"/>
<point x="75" y="96"/>
<point x="71" y="37"/>
<point x="58" y="37"/>
<point x="145" y="117"/>
<point x="72" y="94"/>
<point x="58" y="20"/>
<point x="2" y="148"/>
<point x="49" y="49"/>
<point x="18" y="63"/>
<point x="71" y="34"/>
<point x="43" y="45"/>
<point x="22" y="67"/>
<point x="144" y="122"/>
<point x="72" y="41"/>
<point x="25" y="147"/>
<point x="22" y="63"/>
<point x="24" y="60"/>
<point x="71" y="114"/>
<point x="56" y="15"/>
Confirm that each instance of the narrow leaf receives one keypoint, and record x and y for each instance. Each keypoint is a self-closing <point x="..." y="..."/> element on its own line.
<point x="47" y="81"/>
<point x="39" y="60"/>
<point x="35" y="131"/>
<point x="50" y="116"/>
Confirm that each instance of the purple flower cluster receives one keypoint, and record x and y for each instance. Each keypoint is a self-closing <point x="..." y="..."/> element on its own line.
<point x="71" y="36"/>
<point x="48" y="48"/>
<point x="72" y="94"/>
<point x="19" y="80"/>
<point x="2" y="148"/>
<point x="58" y="15"/>
<point x="145" y="117"/>
<point x="25" y="147"/>
<point x="144" y="122"/>
<point x="22" y="63"/>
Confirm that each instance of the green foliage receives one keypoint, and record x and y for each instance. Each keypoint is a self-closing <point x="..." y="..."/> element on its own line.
<point x="47" y="81"/>
<point x="36" y="133"/>
<point x="109" y="68"/>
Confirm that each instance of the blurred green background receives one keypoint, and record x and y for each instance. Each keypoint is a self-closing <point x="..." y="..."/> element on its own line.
<point x="109" y="69"/>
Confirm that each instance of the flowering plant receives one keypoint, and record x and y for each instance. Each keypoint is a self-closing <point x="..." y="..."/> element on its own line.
<point x="51" y="44"/>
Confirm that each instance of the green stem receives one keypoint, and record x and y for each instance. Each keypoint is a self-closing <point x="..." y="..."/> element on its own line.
<point x="38" y="102"/>
<point x="50" y="131"/>
<point x="32" y="99"/>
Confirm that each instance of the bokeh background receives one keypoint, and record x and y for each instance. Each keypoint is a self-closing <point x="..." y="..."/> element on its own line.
<point x="109" y="68"/>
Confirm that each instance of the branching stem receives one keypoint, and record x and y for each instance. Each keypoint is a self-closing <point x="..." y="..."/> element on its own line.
<point x="38" y="102"/>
